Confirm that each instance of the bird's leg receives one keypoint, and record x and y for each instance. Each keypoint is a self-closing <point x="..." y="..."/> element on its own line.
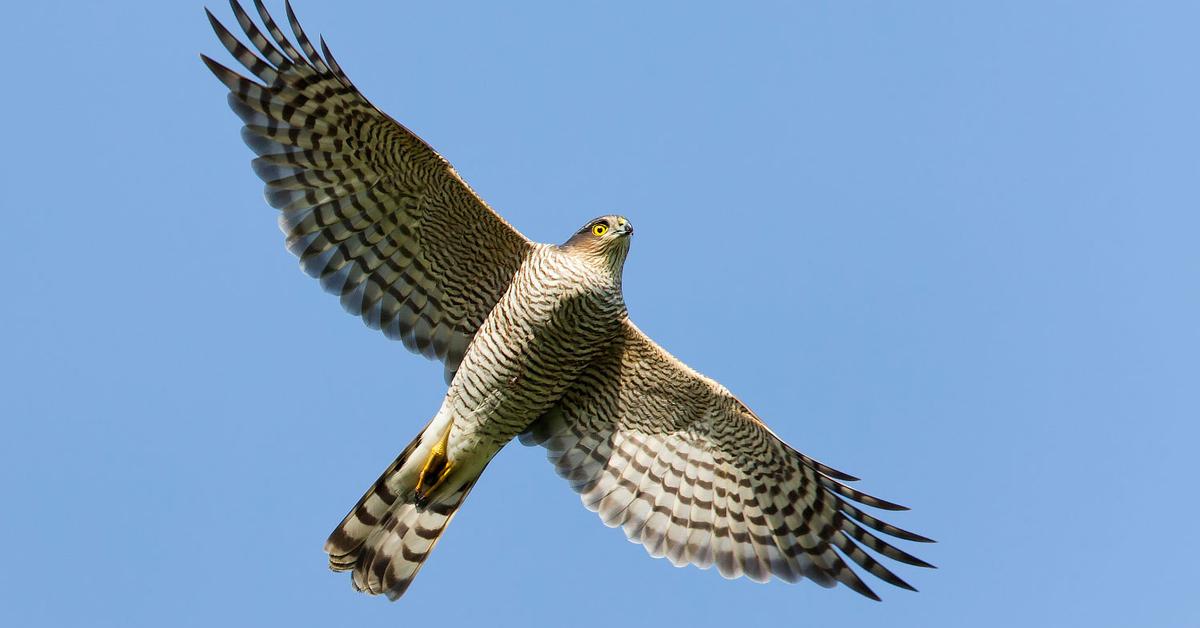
<point x="436" y="469"/>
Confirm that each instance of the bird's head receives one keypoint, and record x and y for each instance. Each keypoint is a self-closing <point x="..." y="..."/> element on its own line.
<point x="604" y="239"/>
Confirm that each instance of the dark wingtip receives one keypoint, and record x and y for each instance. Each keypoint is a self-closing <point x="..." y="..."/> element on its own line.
<point x="213" y="21"/>
<point x="856" y="584"/>
<point x="917" y="562"/>
<point x="223" y="74"/>
<point x="212" y="65"/>
<point x="829" y="471"/>
<point x="883" y="504"/>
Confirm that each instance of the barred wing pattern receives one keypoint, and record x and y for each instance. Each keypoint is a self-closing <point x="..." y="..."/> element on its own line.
<point x="692" y="474"/>
<point x="370" y="209"/>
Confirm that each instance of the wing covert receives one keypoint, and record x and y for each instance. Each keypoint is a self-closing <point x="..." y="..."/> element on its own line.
<point x="372" y="211"/>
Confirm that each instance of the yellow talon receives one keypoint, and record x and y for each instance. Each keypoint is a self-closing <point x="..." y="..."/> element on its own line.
<point x="437" y="468"/>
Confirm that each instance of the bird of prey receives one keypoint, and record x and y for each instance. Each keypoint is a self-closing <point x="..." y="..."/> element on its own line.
<point x="536" y="343"/>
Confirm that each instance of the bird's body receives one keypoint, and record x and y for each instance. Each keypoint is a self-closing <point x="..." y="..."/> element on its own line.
<point x="536" y="342"/>
<point x="562" y="310"/>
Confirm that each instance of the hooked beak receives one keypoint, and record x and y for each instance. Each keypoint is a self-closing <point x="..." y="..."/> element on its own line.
<point x="625" y="228"/>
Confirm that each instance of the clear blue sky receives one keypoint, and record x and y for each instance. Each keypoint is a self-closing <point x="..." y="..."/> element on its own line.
<point x="950" y="248"/>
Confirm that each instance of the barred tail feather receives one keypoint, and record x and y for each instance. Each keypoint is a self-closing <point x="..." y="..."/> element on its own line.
<point x="395" y="551"/>
<point x="386" y="537"/>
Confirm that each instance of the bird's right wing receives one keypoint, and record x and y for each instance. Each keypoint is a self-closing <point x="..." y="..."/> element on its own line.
<point x="369" y="208"/>
<point x="692" y="474"/>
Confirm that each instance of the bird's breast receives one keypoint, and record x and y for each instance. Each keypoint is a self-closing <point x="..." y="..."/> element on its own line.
<point x="555" y="318"/>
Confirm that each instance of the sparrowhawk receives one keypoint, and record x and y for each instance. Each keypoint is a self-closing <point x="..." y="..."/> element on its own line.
<point x="536" y="343"/>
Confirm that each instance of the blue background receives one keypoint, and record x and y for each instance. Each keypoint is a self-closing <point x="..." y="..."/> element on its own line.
<point x="948" y="247"/>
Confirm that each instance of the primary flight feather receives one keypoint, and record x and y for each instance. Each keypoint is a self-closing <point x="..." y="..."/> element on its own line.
<point x="536" y="343"/>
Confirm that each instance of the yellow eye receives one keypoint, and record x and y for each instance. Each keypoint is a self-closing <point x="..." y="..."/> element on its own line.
<point x="599" y="229"/>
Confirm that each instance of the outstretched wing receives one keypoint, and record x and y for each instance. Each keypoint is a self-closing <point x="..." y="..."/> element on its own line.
<point x="692" y="474"/>
<point x="371" y="210"/>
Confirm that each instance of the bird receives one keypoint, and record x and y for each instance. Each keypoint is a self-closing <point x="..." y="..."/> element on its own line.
<point x="537" y="346"/>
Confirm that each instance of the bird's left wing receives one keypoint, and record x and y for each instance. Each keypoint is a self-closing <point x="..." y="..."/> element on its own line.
<point x="369" y="208"/>
<point x="692" y="474"/>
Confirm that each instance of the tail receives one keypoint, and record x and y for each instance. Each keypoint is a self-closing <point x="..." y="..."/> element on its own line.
<point x="387" y="535"/>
